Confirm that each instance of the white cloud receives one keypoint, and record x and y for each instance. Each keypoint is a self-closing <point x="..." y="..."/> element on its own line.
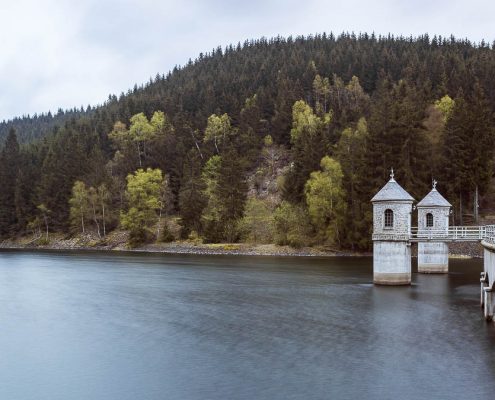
<point x="63" y="53"/>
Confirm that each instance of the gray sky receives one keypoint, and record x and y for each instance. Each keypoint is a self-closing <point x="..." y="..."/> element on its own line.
<point x="66" y="53"/>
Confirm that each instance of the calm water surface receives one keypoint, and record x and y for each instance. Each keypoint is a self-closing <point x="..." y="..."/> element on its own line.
<point x="103" y="326"/>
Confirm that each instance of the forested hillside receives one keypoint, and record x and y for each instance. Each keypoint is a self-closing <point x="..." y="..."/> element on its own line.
<point x="272" y="141"/>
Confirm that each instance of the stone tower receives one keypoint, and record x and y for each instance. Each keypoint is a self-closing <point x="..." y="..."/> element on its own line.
<point x="433" y="215"/>
<point x="392" y="208"/>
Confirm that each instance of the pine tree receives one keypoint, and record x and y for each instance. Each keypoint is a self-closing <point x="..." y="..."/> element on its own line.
<point x="309" y="144"/>
<point x="191" y="198"/>
<point x="9" y="164"/>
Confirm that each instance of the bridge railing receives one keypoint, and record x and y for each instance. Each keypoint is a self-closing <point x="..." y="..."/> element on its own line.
<point x="459" y="233"/>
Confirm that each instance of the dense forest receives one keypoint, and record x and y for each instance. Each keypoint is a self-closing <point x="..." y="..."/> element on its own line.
<point x="271" y="141"/>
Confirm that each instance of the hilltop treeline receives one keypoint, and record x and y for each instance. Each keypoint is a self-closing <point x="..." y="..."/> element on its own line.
<point x="281" y="140"/>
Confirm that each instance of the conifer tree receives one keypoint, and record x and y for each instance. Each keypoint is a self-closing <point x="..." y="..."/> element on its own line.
<point x="191" y="198"/>
<point x="9" y="165"/>
<point x="309" y="145"/>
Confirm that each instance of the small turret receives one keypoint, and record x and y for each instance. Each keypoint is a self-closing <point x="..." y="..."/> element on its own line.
<point x="433" y="215"/>
<point x="433" y="211"/>
<point x="392" y="208"/>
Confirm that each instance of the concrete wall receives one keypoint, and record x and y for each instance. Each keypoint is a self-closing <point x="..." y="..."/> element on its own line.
<point x="488" y="288"/>
<point x="433" y="257"/>
<point x="489" y="260"/>
<point x="391" y="263"/>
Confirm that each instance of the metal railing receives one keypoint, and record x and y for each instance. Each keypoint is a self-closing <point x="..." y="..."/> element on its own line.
<point x="454" y="233"/>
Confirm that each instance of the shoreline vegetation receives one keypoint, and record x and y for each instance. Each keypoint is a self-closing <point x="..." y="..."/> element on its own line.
<point x="118" y="242"/>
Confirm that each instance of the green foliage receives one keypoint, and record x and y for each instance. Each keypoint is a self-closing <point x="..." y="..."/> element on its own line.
<point x="310" y="140"/>
<point x="79" y="205"/>
<point x="89" y="203"/>
<point x="292" y="225"/>
<point x="140" y="134"/>
<point x="326" y="200"/>
<point x="446" y="106"/>
<point x="225" y="191"/>
<point x="217" y="130"/>
<point x="397" y="138"/>
<point x="166" y="235"/>
<point x="192" y="200"/>
<point x="141" y="128"/>
<point x="306" y="122"/>
<point x="45" y="216"/>
<point x="143" y="197"/>
<point x="468" y="161"/>
<point x="351" y="153"/>
<point x="258" y="223"/>
<point x="171" y="230"/>
<point x="9" y="161"/>
<point x="321" y="88"/>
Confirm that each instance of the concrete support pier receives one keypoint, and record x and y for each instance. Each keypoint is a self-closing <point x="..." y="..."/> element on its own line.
<point x="488" y="280"/>
<point x="433" y="258"/>
<point x="391" y="263"/>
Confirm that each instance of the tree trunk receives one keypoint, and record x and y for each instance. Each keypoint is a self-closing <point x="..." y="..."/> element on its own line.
<point x="197" y="145"/>
<point x="82" y="220"/>
<point x="139" y="154"/>
<point x="216" y="147"/>
<point x="96" y="221"/>
<point x="475" y="205"/>
<point x="46" y="225"/>
<point x="460" y="208"/>
<point x="159" y="222"/>
<point x="103" y="218"/>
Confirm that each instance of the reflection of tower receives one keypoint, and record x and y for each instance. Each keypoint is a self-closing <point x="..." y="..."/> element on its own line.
<point x="392" y="207"/>
<point x="433" y="218"/>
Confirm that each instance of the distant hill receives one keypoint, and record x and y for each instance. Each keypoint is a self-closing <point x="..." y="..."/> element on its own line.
<point x="422" y="105"/>
<point x="271" y="68"/>
<point x="30" y="128"/>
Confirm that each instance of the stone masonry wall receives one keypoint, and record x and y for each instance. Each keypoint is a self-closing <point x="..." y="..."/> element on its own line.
<point x="402" y="217"/>
<point x="440" y="217"/>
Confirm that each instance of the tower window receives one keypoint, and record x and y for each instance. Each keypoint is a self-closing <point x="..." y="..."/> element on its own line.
<point x="389" y="218"/>
<point x="429" y="220"/>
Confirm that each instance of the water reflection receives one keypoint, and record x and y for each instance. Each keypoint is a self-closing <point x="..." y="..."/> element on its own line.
<point x="127" y="326"/>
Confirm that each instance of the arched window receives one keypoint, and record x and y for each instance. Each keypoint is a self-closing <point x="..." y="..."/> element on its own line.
<point x="429" y="220"/>
<point x="389" y="218"/>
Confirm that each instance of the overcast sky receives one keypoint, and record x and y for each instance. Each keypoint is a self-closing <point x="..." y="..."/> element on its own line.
<point x="66" y="53"/>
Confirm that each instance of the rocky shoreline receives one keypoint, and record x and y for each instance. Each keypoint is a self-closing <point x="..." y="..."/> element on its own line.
<point x="200" y="249"/>
<point x="117" y="241"/>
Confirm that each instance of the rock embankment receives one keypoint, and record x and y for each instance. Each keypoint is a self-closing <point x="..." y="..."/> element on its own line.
<point x="117" y="241"/>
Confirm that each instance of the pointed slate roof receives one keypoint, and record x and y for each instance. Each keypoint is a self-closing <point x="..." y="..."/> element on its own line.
<point x="392" y="191"/>
<point x="434" y="199"/>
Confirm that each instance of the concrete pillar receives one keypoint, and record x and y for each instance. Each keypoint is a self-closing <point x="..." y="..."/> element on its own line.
<point x="392" y="262"/>
<point x="433" y="258"/>
<point x="488" y="302"/>
<point x="483" y="284"/>
<point x="488" y="279"/>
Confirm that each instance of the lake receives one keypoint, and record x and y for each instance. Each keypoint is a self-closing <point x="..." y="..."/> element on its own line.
<point x="146" y="326"/>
